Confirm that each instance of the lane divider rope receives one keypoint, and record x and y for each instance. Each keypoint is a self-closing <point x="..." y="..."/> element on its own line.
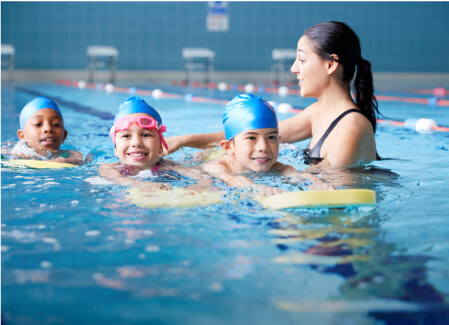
<point x="420" y="125"/>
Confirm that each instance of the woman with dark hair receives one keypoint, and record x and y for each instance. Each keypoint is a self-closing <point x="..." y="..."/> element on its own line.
<point x="341" y="129"/>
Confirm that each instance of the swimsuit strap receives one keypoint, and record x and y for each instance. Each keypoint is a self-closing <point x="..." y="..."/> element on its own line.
<point x="315" y="152"/>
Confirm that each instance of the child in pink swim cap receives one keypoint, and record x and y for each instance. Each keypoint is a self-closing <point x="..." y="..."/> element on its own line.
<point x="137" y="134"/>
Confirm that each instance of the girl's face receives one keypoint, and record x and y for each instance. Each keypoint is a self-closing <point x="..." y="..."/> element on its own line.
<point x="44" y="130"/>
<point x="310" y="69"/>
<point x="136" y="146"/>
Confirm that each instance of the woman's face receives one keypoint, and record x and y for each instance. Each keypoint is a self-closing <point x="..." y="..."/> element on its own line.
<point x="310" y="69"/>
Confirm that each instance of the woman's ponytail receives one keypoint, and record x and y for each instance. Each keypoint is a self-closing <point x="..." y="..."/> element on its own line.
<point x="364" y="91"/>
<point x="335" y="37"/>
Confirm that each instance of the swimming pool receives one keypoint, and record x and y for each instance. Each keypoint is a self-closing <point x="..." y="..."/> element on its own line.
<point x="76" y="251"/>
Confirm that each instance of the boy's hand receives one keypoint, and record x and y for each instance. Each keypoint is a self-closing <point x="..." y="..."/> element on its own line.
<point x="265" y="191"/>
<point x="321" y="187"/>
<point x="61" y="160"/>
<point x="239" y="181"/>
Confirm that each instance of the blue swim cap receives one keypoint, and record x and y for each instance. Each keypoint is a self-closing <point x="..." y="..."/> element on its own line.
<point x="247" y="112"/>
<point x="136" y="105"/>
<point x="36" y="104"/>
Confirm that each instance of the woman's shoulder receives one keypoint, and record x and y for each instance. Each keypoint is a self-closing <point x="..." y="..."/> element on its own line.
<point x="355" y="134"/>
<point x="356" y="122"/>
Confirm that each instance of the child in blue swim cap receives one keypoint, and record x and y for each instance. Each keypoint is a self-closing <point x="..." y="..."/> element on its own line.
<point x="137" y="133"/>
<point x="251" y="145"/>
<point x="42" y="133"/>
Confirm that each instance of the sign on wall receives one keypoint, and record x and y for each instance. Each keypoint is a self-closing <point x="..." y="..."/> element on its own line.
<point x="217" y="16"/>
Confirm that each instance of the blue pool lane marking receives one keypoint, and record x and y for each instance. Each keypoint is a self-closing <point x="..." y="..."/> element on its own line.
<point x="70" y="104"/>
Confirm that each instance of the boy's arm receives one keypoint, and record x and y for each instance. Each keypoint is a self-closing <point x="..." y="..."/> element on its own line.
<point x="289" y="171"/>
<point x="218" y="168"/>
<point x="195" y="173"/>
<point x="200" y="141"/>
<point x="73" y="157"/>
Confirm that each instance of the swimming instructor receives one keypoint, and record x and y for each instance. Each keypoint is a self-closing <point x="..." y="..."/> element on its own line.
<point x="341" y="128"/>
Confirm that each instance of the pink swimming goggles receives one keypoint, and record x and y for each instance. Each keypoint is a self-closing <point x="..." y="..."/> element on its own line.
<point x="144" y="122"/>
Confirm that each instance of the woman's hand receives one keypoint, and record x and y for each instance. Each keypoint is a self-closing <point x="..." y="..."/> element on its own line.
<point x="174" y="143"/>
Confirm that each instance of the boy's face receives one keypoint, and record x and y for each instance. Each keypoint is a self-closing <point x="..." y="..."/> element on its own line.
<point x="136" y="146"/>
<point x="255" y="150"/>
<point x="44" y="130"/>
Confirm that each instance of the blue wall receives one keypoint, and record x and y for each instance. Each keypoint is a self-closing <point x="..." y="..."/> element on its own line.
<point x="395" y="36"/>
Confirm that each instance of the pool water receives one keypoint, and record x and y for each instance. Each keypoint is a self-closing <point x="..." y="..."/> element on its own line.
<point x="76" y="251"/>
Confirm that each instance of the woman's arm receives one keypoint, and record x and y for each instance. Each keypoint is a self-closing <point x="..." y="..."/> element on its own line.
<point x="298" y="127"/>
<point x="200" y="141"/>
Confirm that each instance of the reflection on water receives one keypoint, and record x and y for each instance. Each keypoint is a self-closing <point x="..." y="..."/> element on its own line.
<point x="350" y="244"/>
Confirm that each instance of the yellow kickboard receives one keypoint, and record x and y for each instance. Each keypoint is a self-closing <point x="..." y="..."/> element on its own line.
<point x="321" y="199"/>
<point x="176" y="197"/>
<point x="35" y="163"/>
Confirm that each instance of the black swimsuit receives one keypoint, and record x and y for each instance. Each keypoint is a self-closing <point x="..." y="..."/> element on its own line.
<point x="312" y="156"/>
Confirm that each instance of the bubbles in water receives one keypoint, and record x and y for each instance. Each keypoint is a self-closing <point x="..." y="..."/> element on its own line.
<point x="146" y="173"/>
<point x="50" y="240"/>
<point x="50" y="184"/>
<point x="92" y="233"/>
<point x="152" y="248"/>
<point x="216" y="287"/>
<point x="21" y="150"/>
<point x="98" y="180"/>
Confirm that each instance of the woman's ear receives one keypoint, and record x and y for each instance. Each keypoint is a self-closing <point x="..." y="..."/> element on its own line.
<point x="115" y="151"/>
<point x="332" y="65"/>
<point x="20" y="134"/>
<point x="227" y="146"/>
<point x="161" y="150"/>
<point x="65" y="136"/>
